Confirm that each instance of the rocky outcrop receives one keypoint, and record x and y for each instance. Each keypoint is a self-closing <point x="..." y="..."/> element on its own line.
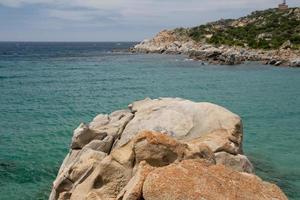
<point x="125" y="154"/>
<point x="229" y="42"/>
<point x="166" y="41"/>
<point x="224" y="55"/>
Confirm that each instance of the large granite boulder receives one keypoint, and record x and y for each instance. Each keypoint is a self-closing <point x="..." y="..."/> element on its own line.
<point x="113" y="156"/>
<point x="186" y="120"/>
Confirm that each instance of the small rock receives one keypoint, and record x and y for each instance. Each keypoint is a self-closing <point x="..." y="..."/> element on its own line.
<point x="286" y="45"/>
<point x="278" y="63"/>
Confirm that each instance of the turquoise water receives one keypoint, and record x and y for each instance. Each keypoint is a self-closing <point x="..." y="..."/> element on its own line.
<point x="47" y="89"/>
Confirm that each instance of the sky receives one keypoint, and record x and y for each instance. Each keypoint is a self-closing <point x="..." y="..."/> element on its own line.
<point x="113" y="20"/>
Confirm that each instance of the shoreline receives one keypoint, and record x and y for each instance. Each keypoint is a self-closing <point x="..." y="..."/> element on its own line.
<point x="167" y="43"/>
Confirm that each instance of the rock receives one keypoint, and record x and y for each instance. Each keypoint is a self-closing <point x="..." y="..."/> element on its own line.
<point x="133" y="190"/>
<point x="187" y="47"/>
<point x="103" y="127"/>
<point x="199" y="151"/>
<point x="237" y="162"/>
<point x="278" y="63"/>
<point x="184" y="120"/>
<point x="272" y="62"/>
<point x="295" y="63"/>
<point x="99" y="121"/>
<point x="158" y="149"/>
<point x="83" y="135"/>
<point x="233" y="58"/>
<point x="264" y="36"/>
<point x="117" y="122"/>
<point x="106" y="180"/>
<point x="160" y="43"/>
<point x="113" y="156"/>
<point x="195" y="179"/>
<point x="221" y="141"/>
<point x="71" y="156"/>
<point x="101" y="145"/>
<point x="222" y="55"/>
<point x="76" y="170"/>
<point x="94" y="175"/>
<point x="286" y="45"/>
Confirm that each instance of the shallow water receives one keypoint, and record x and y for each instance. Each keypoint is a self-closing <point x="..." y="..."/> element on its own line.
<point x="47" y="89"/>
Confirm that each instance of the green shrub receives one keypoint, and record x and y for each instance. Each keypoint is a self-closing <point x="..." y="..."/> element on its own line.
<point x="281" y="26"/>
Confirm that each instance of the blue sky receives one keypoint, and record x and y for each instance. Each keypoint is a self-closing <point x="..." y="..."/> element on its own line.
<point x="113" y="20"/>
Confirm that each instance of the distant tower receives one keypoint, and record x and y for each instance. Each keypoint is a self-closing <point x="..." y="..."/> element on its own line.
<point x="283" y="6"/>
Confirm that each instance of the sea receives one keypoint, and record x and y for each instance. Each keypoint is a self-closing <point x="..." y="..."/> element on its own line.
<point x="48" y="89"/>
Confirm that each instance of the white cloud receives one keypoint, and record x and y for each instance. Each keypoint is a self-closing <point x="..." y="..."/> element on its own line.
<point x="117" y="16"/>
<point x="152" y="12"/>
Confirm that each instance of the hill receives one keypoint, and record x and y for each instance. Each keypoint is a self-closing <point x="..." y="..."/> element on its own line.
<point x="268" y="29"/>
<point x="271" y="36"/>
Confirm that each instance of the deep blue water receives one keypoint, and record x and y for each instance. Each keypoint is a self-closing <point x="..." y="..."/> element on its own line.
<point x="47" y="89"/>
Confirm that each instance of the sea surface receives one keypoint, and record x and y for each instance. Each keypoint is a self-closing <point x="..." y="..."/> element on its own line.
<point x="47" y="89"/>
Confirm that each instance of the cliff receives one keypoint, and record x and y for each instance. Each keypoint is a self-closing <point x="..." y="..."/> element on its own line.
<point x="161" y="149"/>
<point x="270" y="36"/>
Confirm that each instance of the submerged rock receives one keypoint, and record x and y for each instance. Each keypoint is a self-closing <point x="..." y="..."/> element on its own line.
<point x="125" y="155"/>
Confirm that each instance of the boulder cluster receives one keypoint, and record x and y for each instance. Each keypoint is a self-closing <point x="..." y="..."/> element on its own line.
<point x="160" y="149"/>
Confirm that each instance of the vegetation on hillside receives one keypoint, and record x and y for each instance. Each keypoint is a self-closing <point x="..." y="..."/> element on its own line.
<point x="268" y="29"/>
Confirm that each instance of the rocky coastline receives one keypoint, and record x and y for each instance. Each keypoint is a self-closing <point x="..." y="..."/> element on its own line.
<point x="167" y="148"/>
<point x="168" y="42"/>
